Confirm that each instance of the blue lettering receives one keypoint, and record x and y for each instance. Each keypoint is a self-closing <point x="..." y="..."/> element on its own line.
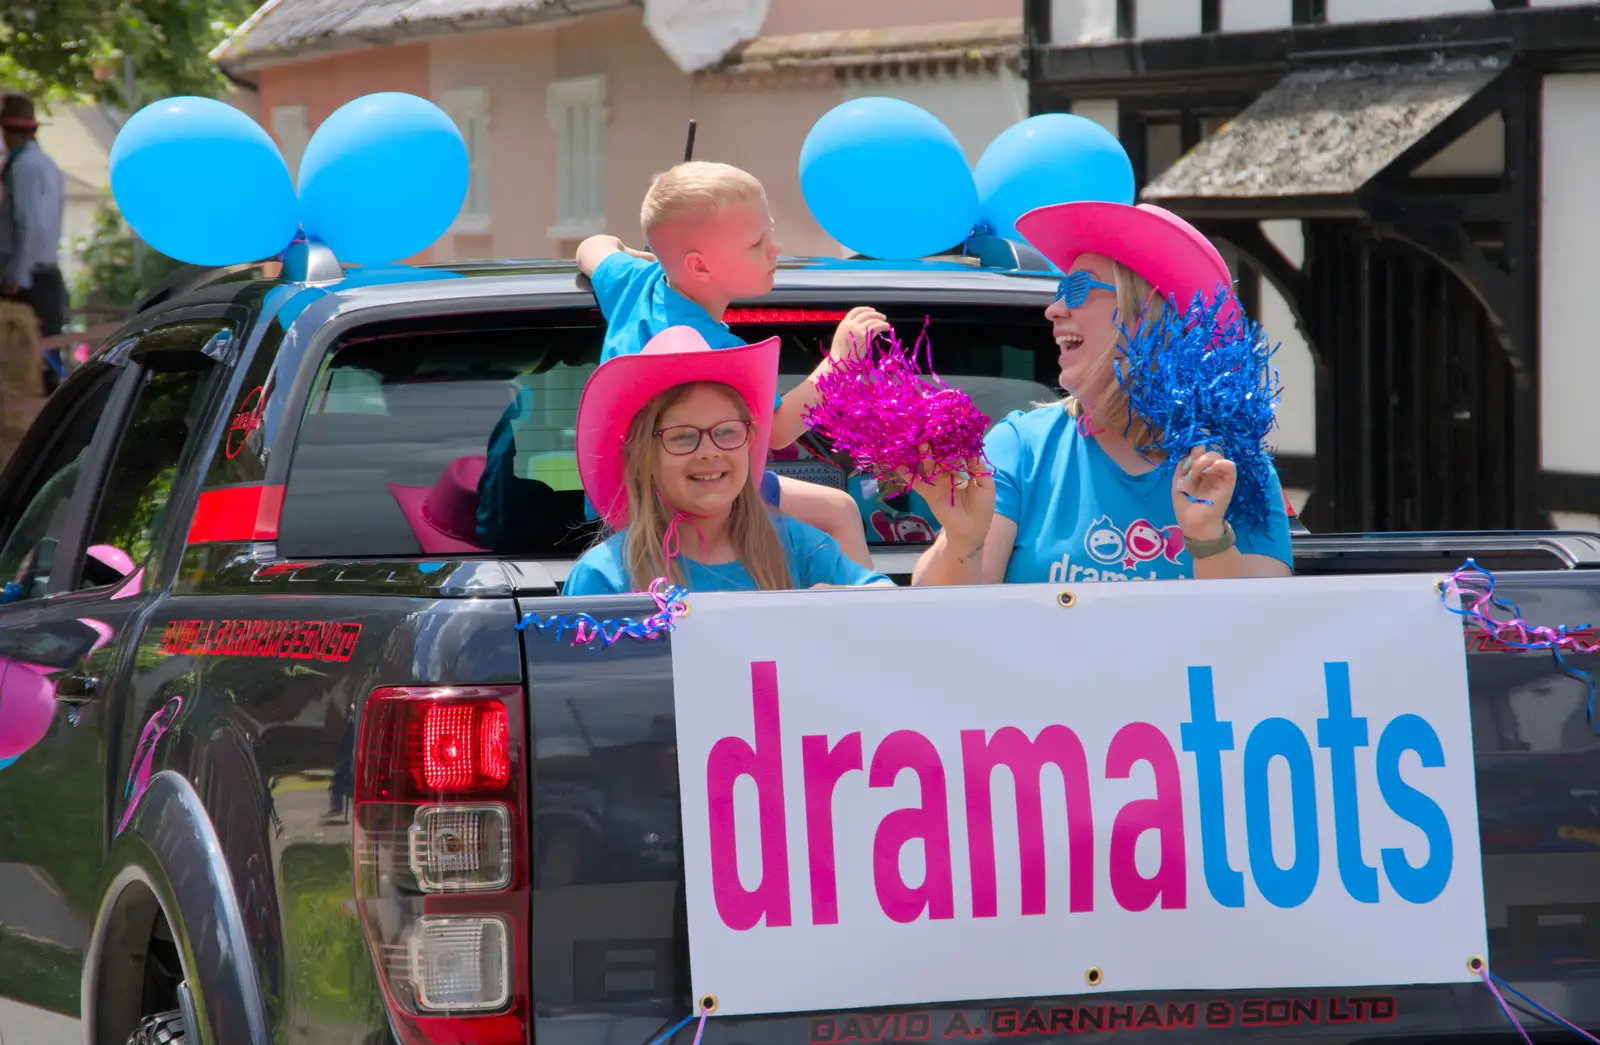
<point x="1279" y="738"/>
<point x="1414" y="884"/>
<point x="1208" y="738"/>
<point x="1341" y="733"/>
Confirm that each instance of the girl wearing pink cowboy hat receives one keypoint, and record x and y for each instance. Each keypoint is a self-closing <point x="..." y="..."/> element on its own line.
<point x="671" y="447"/>
<point x="1072" y="498"/>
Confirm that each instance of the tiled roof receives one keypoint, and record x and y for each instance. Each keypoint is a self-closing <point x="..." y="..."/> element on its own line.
<point x="1324" y="132"/>
<point x="283" y="30"/>
<point x="971" y="41"/>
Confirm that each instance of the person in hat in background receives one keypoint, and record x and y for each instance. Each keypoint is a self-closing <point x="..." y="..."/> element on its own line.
<point x="1072" y="498"/>
<point x="672" y="444"/>
<point x="31" y="212"/>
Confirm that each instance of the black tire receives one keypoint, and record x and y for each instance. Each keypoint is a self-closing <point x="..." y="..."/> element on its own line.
<point x="164" y="1028"/>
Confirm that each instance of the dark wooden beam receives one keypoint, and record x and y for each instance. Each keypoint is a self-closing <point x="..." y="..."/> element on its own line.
<point x="1560" y="35"/>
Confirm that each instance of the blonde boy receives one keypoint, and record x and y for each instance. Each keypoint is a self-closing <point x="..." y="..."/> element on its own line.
<point x="711" y="243"/>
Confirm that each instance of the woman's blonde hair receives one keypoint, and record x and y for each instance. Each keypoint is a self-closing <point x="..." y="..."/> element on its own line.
<point x="1137" y="303"/>
<point x="750" y="529"/>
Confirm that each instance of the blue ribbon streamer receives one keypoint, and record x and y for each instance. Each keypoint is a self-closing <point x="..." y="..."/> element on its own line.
<point x="1198" y="379"/>
<point x="1516" y="633"/>
<point x="601" y="634"/>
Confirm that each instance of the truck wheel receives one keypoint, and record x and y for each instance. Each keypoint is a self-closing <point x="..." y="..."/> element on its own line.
<point x="164" y="1028"/>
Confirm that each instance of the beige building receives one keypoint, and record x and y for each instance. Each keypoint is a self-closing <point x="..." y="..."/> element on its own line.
<point x="568" y="109"/>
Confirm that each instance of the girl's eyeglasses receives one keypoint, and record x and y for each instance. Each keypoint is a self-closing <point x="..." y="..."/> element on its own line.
<point x="1073" y="291"/>
<point x="682" y="440"/>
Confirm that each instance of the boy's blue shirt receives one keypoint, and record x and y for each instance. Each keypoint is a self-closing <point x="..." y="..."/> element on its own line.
<point x="639" y="304"/>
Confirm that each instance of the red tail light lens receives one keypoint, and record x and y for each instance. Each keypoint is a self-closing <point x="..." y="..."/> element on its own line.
<point x="447" y="740"/>
<point x="465" y="747"/>
<point x="441" y="870"/>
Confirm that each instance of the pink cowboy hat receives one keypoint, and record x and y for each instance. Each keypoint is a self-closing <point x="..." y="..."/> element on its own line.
<point x="621" y="386"/>
<point x="444" y="516"/>
<point x="1167" y="251"/>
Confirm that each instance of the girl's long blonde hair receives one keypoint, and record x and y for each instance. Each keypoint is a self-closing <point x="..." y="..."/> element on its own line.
<point x="1133" y="294"/>
<point x="750" y="529"/>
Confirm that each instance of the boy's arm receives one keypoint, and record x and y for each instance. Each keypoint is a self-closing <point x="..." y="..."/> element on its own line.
<point x="849" y="341"/>
<point x="595" y="249"/>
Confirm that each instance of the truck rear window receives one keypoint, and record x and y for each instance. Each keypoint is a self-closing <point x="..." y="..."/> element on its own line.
<point x="433" y="436"/>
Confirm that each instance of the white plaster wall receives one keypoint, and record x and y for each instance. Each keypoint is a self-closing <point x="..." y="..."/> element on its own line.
<point x="1240" y="16"/>
<point x="1569" y="353"/>
<point x="1083" y="21"/>
<point x="1101" y="110"/>
<point x="1153" y="18"/>
<point x="1297" y="413"/>
<point x="1384" y="10"/>
<point x="976" y="108"/>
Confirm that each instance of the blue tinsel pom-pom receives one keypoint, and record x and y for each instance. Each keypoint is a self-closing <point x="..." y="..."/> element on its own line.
<point x="1203" y="376"/>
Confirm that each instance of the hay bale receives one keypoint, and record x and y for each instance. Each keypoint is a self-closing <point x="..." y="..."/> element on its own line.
<point x="21" y="374"/>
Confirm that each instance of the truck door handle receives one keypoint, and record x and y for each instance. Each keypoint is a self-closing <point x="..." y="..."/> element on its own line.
<point x="77" y="689"/>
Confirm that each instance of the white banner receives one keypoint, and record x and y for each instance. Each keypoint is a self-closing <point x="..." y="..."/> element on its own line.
<point x="902" y="796"/>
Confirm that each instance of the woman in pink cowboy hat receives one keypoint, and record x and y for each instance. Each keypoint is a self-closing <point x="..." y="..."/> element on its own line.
<point x="1072" y="498"/>
<point x="671" y="446"/>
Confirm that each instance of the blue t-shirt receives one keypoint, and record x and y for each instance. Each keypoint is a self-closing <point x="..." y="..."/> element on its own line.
<point x="813" y="557"/>
<point x="1080" y="517"/>
<point x="499" y="481"/>
<point x="638" y="304"/>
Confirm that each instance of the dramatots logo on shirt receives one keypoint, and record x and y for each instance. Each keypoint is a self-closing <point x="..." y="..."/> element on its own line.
<point x="1117" y="554"/>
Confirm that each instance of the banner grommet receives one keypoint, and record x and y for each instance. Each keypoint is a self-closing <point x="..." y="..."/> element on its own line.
<point x="1438" y="586"/>
<point x="1093" y="976"/>
<point x="708" y="1004"/>
<point x="1066" y="600"/>
<point x="1476" y="964"/>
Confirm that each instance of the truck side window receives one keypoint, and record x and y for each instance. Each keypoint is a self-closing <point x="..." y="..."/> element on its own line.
<point x="167" y="411"/>
<point x="28" y="550"/>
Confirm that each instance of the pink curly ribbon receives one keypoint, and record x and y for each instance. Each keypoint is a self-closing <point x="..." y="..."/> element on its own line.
<point x="894" y="417"/>
<point x="591" y="631"/>
<point x="1476" y="585"/>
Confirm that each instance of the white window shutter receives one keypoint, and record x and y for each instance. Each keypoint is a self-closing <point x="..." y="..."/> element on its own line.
<point x="577" y="113"/>
<point x="469" y="108"/>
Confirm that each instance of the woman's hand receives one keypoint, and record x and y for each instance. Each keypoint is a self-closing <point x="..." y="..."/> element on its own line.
<point x="1203" y="476"/>
<point x="963" y="505"/>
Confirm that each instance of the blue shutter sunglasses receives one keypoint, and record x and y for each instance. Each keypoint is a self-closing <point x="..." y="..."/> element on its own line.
<point x="1073" y="291"/>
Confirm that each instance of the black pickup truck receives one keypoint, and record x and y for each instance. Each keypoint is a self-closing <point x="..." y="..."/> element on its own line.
<point x="243" y="563"/>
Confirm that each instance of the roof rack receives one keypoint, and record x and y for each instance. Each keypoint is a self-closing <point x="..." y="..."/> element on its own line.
<point x="989" y="251"/>
<point x="304" y="261"/>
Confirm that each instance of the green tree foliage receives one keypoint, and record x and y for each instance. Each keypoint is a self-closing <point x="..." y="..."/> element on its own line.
<point x="53" y="49"/>
<point x="110" y="277"/>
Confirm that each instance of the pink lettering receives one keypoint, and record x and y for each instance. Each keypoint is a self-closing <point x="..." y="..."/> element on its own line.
<point x="1163" y="814"/>
<point x="731" y="758"/>
<point x="1026" y="759"/>
<point x="929" y="822"/>
<point x="823" y="768"/>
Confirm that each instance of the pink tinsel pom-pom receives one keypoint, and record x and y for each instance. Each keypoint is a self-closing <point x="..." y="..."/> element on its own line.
<point x="882" y="409"/>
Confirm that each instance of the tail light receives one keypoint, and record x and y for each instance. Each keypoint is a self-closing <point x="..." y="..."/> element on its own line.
<point x="736" y="316"/>
<point x="441" y="866"/>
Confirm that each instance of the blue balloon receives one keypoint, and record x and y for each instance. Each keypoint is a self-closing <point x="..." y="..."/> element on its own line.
<point x="201" y="182"/>
<point x="383" y="178"/>
<point x="888" y="180"/>
<point x="1048" y="159"/>
<point x="5" y="763"/>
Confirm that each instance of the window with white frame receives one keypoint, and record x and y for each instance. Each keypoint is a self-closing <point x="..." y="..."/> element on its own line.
<point x="469" y="108"/>
<point x="577" y="111"/>
<point x="289" y="130"/>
